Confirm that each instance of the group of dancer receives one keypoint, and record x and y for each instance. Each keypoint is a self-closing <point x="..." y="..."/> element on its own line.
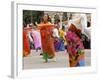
<point x="50" y="38"/>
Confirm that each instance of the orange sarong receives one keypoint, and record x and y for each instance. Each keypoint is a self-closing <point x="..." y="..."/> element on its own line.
<point x="47" y="39"/>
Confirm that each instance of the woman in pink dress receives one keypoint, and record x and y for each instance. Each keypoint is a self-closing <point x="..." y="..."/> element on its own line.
<point x="75" y="47"/>
<point x="36" y="38"/>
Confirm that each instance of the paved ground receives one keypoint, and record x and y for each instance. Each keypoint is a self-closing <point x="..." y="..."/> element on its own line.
<point x="35" y="61"/>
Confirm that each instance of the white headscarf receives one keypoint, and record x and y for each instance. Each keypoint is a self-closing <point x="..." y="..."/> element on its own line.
<point x="82" y="25"/>
<point x="79" y="20"/>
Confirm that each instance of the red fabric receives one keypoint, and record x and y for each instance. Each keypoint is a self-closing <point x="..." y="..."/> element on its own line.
<point x="74" y="29"/>
<point x="26" y="45"/>
<point x="47" y="40"/>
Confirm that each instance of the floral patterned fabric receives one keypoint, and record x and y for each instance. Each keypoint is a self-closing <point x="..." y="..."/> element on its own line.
<point x="74" y="47"/>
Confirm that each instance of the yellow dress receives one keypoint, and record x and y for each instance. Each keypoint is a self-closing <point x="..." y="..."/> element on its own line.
<point x="62" y="35"/>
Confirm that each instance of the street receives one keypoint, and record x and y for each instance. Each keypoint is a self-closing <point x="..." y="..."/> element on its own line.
<point x="35" y="61"/>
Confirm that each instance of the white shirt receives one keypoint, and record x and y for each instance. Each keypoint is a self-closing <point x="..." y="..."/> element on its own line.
<point x="55" y="33"/>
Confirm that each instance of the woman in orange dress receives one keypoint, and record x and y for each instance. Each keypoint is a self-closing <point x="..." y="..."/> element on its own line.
<point x="26" y="44"/>
<point x="47" y="40"/>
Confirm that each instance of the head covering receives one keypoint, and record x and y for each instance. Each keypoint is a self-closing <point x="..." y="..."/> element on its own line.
<point x="79" y="20"/>
<point x="74" y="28"/>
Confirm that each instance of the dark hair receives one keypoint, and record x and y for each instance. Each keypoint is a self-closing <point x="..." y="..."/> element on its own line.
<point x="47" y="19"/>
<point x="57" y="21"/>
<point x="63" y="27"/>
<point x="24" y="24"/>
<point x="34" y="24"/>
<point x="30" y="25"/>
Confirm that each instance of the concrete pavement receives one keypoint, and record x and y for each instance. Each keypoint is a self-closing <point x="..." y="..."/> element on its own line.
<point x="35" y="61"/>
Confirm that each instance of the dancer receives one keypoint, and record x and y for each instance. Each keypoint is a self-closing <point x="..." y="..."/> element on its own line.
<point x="75" y="47"/>
<point x="26" y="44"/>
<point x="36" y="38"/>
<point x="47" y="39"/>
